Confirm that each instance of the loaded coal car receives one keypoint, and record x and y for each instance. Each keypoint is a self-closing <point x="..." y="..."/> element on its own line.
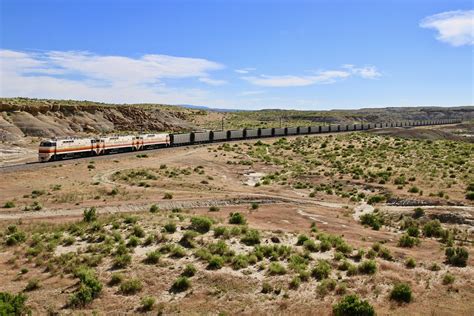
<point x="200" y="137"/>
<point x="265" y="132"/>
<point x="291" y="131"/>
<point x="324" y="129"/>
<point x="314" y="129"/>
<point x="235" y="134"/>
<point x="218" y="136"/>
<point x="303" y="130"/>
<point x="278" y="131"/>
<point x="334" y="128"/>
<point x="251" y="133"/>
<point x="180" y="139"/>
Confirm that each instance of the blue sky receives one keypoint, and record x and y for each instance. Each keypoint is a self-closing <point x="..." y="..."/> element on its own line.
<point x="240" y="54"/>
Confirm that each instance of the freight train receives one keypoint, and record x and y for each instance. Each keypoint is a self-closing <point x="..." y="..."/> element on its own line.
<point x="62" y="148"/>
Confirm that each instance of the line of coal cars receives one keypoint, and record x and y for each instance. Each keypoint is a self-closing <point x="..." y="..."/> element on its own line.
<point x="66" y="148"/>
<point x="220" y="136"/>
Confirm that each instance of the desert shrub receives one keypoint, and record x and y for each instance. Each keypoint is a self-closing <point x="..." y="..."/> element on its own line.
<point x="376" y="199"/>
<point x="372" y="219"/>
<point x="385" y="253"/>
<point x="470" y="195"/>
<point x="148" y="302"/>
<point x="177" y="251"/>
<point x="295" y="282"/>
<point x="154" y="208"/>
<point x="326" y="286"/>
<point x="215" y="262"/>
<point x="13" y="304"/>
<point x="408" y="241"/>
<point x="310" y="245"/>
<point x="213" y="209"/>
<point x="168" y="196"/>
<point x="9" y="204"/>
<point x="201" y="224"/>
<point x="435" y="267"/>
<point x="367" y="267"/>
<point x="189" y="271"/>
<point x="267" y="288"/>
<point x="401" y="292"/>
<point x="301" y="240"/>
<point x="432" y="229"/>
<point x="240" y="262"/>
<point x="457" y="256"/>
<point x="89" y="288"/>
<point x="153" y="257"/>
<point x="188" y="239"/>
<point x="130" y="219"/>
<point x="352" y="305"/>
<point x="131" y="286"/>
<point x="138" y="231"/>
<point x="413" y="231"/>
<point x="275" y="268"/>
<point x="89" y="215"/>
<point x="221" y="231"/>
<point x="32" y="285"/>
<point x="170" y="227"/>
<point x="251" y="237"/>
<point x="254" y="206"/>
<point x="115" y="279"/>
<point x="121" y="261"/>
<point x="133" y="241"/>
<point x="410" y="263"/>
<point x="414" y="190"/>
<point x="321" y="270"/>
<point x="14" y="236"/>
<point x="181" y="284"/>
<point x="237" y="219"/>
<point x="418" y="212"/>
<point x="448" y="278"/>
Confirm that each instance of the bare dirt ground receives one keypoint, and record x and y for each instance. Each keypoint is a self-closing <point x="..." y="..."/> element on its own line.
<point x="196" y="179"/>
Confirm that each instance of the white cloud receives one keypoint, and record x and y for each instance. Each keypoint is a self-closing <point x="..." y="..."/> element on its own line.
<point x="212" y="82"/>
<point x="252" y="92"/>
<point x="83" y="75"/>
<point x="321" y="77"/>
<point x="454" y="27"/>
<point x="244" y="70"/>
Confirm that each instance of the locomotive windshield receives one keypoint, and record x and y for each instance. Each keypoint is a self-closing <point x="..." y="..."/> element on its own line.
<point x="47" y="144"/>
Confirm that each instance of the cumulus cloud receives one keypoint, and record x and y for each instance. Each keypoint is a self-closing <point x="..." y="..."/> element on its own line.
<point x="321" y="77"/>
<point x="454" y="27"/>
<point x="84" y="75"/>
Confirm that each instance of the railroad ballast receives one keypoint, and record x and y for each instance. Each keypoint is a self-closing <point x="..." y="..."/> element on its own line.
<point x="61" y="148"/>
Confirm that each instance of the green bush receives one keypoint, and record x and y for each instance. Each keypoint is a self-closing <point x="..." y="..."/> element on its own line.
<point x="170" y="227"/>
<point x="89" y="288"/>
<point x="457" y="256"/>
<point x="418" y="212"/>
<point x="470" y="195"/>
<point x="131" y="286"/>
<point x="122" y="261"/>
<point x="13" y="304"/>
<point x="116" y="278"/>
<point x="153" y="257"/>
<point x="413" y="231"/>
<point x="407" y="241"/>
<point x="372" y="219"/>
<point x="168" y="196"/>
<point x="352" y="305"/>
<point x="154" y="208"/>
<point x="89" y="215"/>
<point x="267" y="288"/>
<point x="410" y="263"/>
<point x="213" y="209"/>
<point x="414" y="190"/>
<point x="367" y="267"/>
<point x="32" y="285"/>
<point x="240" y="262"/>
<point x="237" y="219"/>
<point x="321" y="270"/>
<point x="9" y="204"/>
<point x="275" y="268"/>
<point x="326" y="286"/>
<point x="138" y="231"/>
<point x="401" y="292"/>
<point x="251" y="237"/>
<point x="310" y="245"/>
<point x="189" y="271"/>
<point x="148" y="302"/>
<point x="201" y="224"/>
<point x="448" y="278"/>
<point x="254" y="206"/>
<point x="432" y="229"/>
<point x="181" y="284"/>
<point x="215" y="262"/>
<point x="301" y="240"/>
<point x="375" y="199"/>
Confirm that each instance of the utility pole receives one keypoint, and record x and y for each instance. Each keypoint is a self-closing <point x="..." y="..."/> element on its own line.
<point x="222" y="123"/>
<point x="280" y="121"/>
